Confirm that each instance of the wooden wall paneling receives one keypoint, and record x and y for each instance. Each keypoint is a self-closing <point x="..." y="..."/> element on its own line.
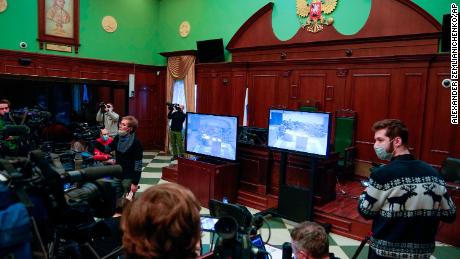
<point x="340" y="100"/>
<point x="370" y="98"/>
<point x="282" y="92"/>
<point x="208" y="85"/>
<point x="109" y="73"/>
<point x="104" y="94"/>
<point x="440" y="137"/>
<point x="239" y="84"/>
<point x="224" y="93"/>
<point x="145" y="99"/>
<point x="159" y="109"/>
<point x="120" y="97"/>
<point x="11" y="66"/>
<point x="312" y="85"/>
<point x="381" y="35"/>
<point x="262" y="95"/>
<point x="254" y="168"/>
<point x="408" y="102"/>
<point x="66" y="67"/>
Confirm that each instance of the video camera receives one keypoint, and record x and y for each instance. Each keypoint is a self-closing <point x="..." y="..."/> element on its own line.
<point x="60" y="216"/>
<point x="26" y="116"/>
<point x="86" y="132"/>
<point x="104" y="106"/>
<point x="173" y="106"/>
<point x="234" y="228"/>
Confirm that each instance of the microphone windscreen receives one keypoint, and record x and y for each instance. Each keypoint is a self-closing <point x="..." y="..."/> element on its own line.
<point x="287" y="251"/>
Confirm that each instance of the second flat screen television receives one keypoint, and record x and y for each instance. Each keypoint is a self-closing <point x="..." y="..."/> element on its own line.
<point x="298" y="131"/>
<point x="211" y="135"/>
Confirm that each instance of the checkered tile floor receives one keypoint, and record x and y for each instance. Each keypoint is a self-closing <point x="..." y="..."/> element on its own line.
<point x="342" y="247"/>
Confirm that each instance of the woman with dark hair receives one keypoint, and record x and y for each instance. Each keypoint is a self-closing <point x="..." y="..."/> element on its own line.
<point x="164" y="222"/>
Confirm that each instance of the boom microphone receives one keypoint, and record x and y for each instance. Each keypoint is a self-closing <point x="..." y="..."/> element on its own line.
<point x="16" y="130"/>
<point x="92" y="173"/>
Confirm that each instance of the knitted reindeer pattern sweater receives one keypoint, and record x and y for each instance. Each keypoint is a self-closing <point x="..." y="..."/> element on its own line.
<point x="406" y="200"/>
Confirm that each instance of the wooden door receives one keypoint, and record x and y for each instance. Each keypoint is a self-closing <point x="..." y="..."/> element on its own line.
<point x="262" y="95"/>
<point x="441" y="139"/>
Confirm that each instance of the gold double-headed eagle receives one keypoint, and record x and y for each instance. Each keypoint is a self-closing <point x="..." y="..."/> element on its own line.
<point x="315" y="24"/>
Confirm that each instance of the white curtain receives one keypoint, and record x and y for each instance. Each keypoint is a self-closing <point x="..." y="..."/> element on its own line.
<point x="179" y="93"/>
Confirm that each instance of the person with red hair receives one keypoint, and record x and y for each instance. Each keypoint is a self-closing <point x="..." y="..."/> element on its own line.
<point x="164" y="222"/>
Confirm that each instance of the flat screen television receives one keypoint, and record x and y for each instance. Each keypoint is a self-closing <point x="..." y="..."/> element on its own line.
<point x="210" y="51"/>
<point x="211" y="135"/>
<point x="299" y="131"/>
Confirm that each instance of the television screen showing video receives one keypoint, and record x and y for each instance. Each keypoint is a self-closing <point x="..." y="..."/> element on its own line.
<point x="211" y="135"/>
<point x="298" y="131"/>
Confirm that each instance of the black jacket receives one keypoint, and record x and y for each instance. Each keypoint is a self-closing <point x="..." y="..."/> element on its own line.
<point x="130" y="160"/>
<point x="177" y="119"/>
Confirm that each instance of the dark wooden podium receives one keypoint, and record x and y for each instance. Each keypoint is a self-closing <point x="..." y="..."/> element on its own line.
<point x="209" y="180"/>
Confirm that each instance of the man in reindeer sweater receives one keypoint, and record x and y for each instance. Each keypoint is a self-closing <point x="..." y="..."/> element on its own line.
<point x="406" y="198"/>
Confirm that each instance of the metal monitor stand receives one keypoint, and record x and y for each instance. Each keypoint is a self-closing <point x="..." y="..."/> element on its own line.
<point x="294" y="203"/>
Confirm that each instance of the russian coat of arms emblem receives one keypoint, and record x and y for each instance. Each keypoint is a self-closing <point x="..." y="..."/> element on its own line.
<point x="310" y="13"/>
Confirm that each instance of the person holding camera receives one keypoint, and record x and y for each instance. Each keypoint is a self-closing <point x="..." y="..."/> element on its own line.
<point x="163" y="223"/>
<point x="177" y="116"/>
<point x="108" y="118"/>
<point x="128" y="154"/>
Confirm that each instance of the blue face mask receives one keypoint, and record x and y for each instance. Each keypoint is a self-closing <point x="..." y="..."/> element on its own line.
<point x="382" y="153"/>
<point x="105" y="137"/>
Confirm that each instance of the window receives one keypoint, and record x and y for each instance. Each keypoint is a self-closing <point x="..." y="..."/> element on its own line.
<point x="179" y="93"/>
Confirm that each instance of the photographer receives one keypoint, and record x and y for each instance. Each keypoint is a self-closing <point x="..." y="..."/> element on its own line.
<point x="177" y="116"/>
<point x="128" y="154"/>
<point x="107" y="117"/>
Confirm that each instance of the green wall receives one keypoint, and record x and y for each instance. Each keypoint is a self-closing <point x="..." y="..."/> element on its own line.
<point x="134" y="40"/>
<point x="221" y="19"/>
<point x="147" y="27"/>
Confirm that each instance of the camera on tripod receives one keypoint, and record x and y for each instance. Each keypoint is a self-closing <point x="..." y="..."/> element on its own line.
<point x="173" y="106"/>
<point x="234" y="229"/>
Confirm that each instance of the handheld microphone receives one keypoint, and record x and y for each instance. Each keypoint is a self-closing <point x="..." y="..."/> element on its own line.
<point x="92" y="173"/>
<point x="287" y="250"/>
<point x="16" y="130"/>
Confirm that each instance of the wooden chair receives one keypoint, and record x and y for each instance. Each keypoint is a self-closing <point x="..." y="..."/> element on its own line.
<point x="450" y="170"/>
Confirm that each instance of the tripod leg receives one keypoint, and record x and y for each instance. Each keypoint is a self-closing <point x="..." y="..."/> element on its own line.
<point x="361" y="246"/>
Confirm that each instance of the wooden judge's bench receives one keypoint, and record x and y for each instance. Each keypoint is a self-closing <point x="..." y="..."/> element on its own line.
<point x="259" y="176"/>
<point x="254" y="179"/>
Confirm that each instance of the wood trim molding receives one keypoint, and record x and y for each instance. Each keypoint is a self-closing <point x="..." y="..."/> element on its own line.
<point x="191" y="52"/>
<point x="266" y="8"/>
<point x="422" y="33"/>
<point x="45" y="65"/>
<point x="422" y="12"/>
